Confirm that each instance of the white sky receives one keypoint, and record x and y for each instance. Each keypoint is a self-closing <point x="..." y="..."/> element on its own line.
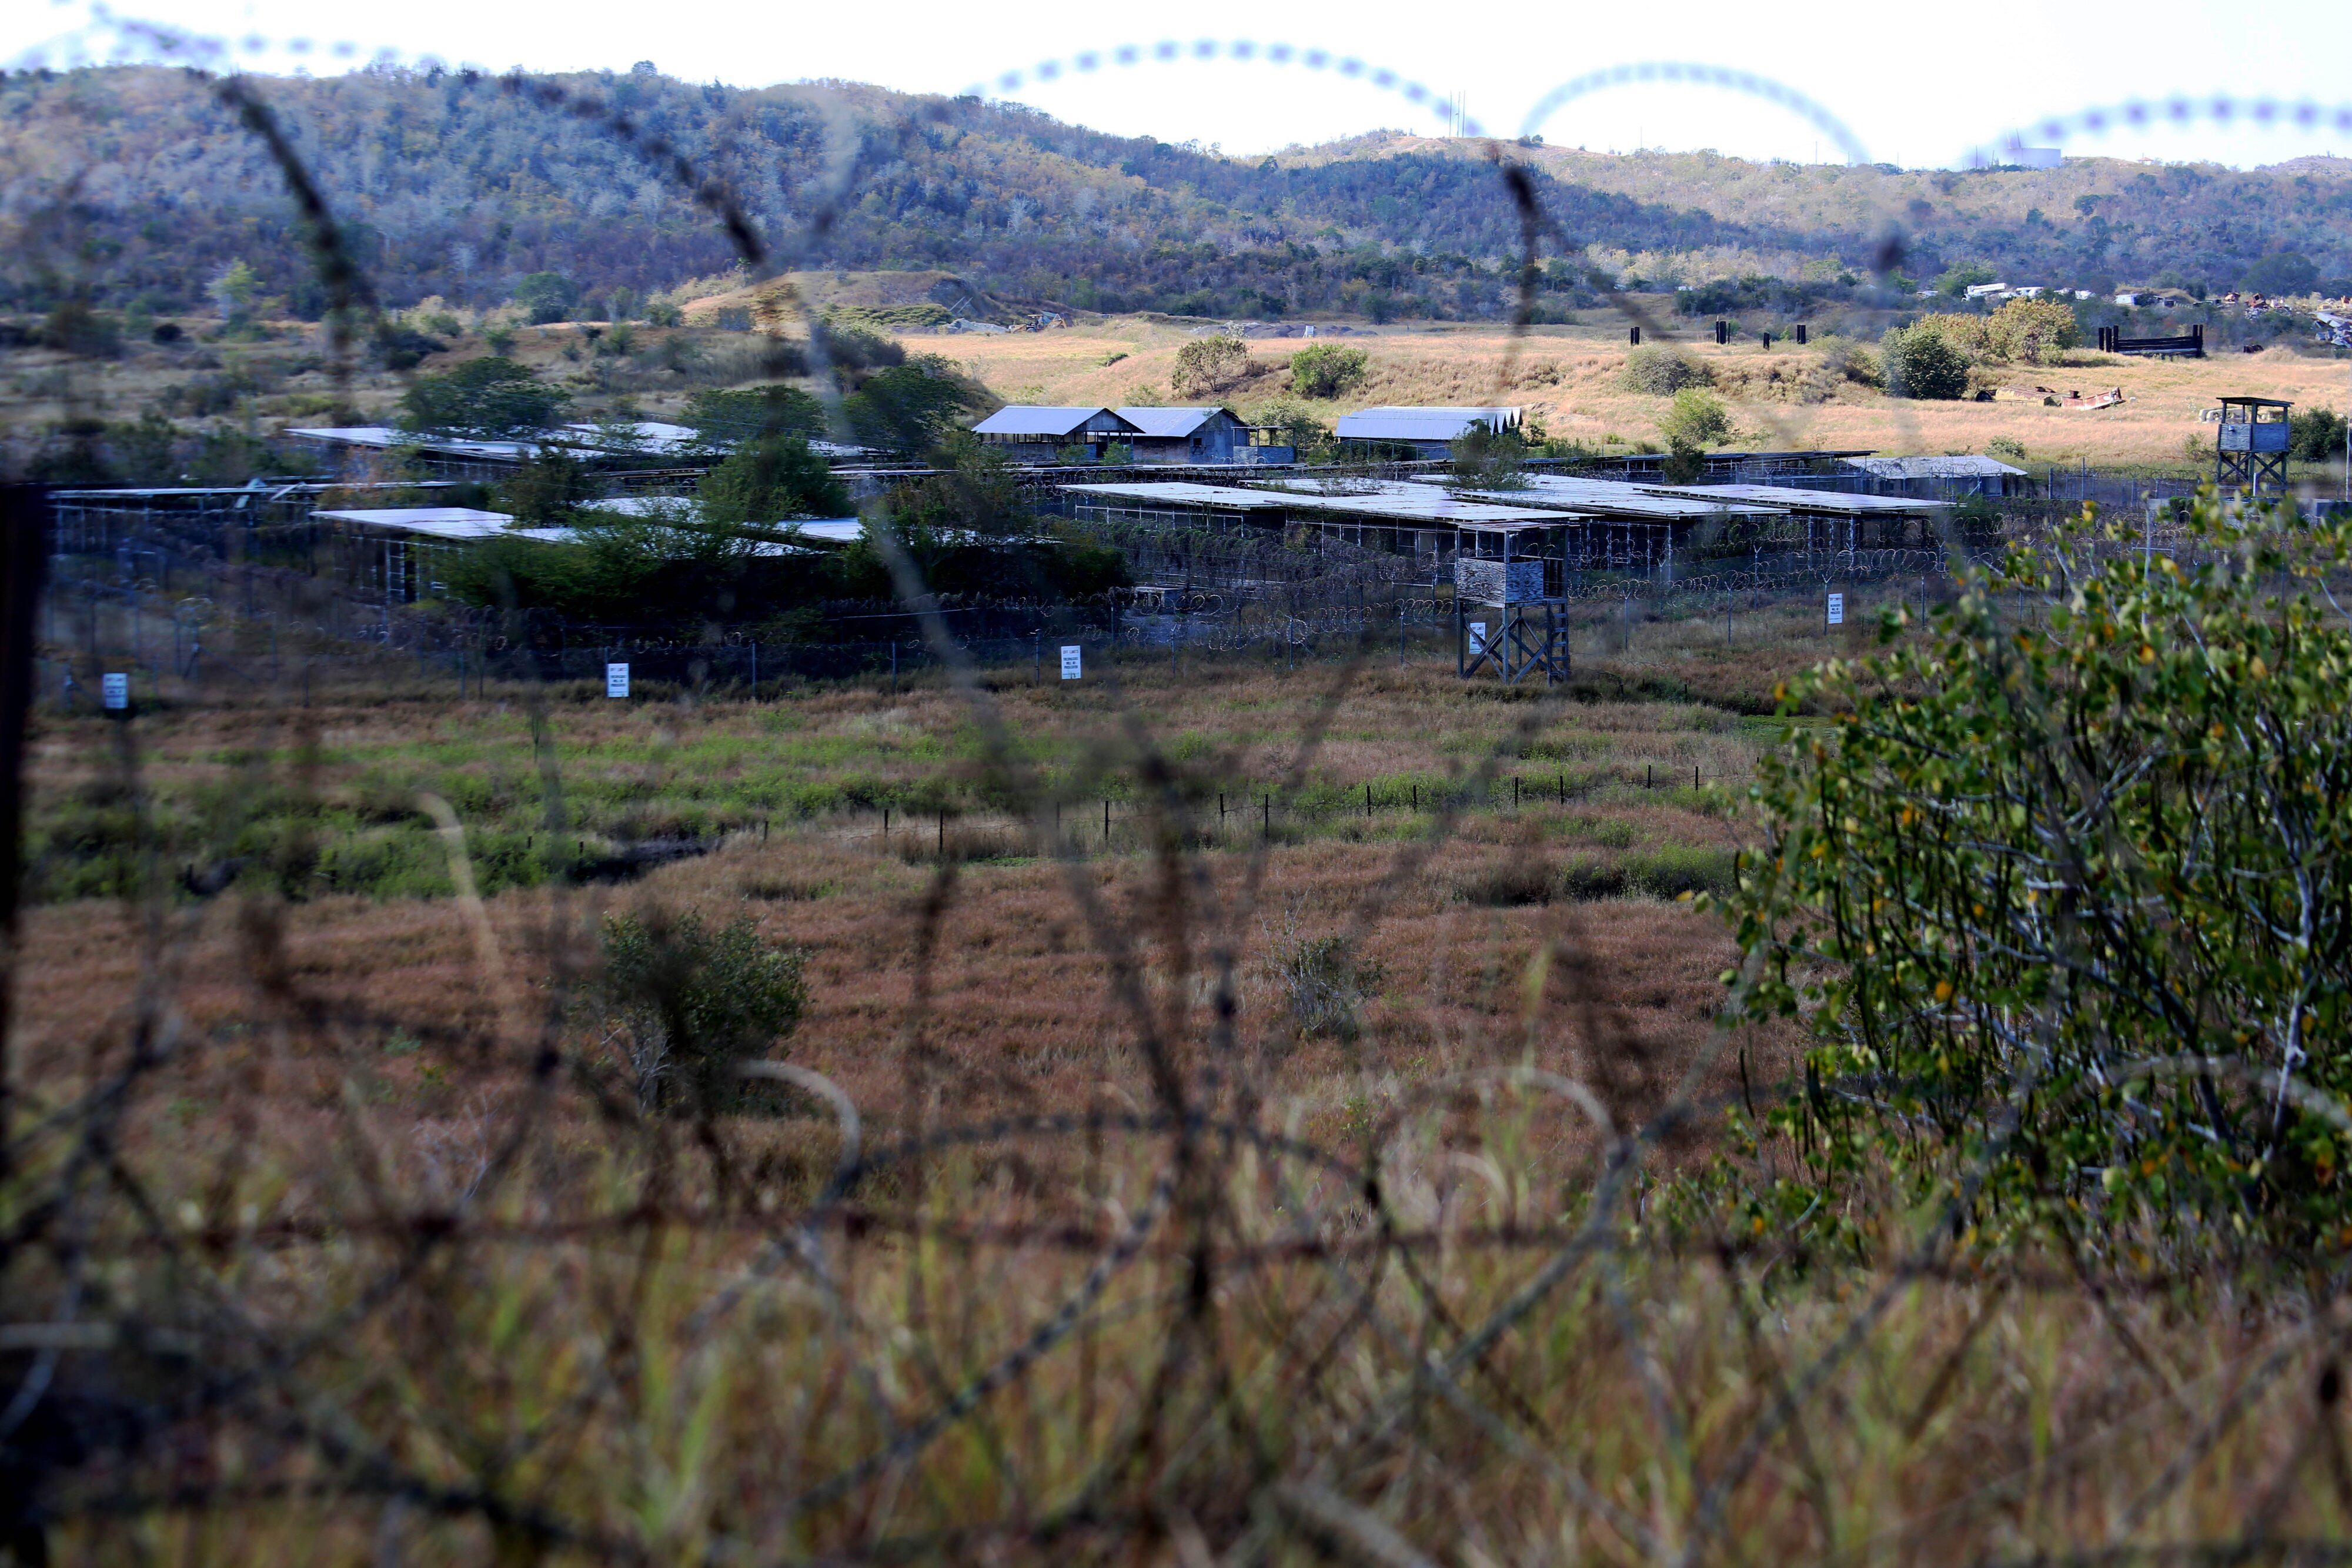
<point x="1918" y="85"/>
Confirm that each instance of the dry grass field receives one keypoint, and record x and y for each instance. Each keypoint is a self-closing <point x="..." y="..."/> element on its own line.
<point x="1124" y="1273"/>
<point x="1573" y="376"/>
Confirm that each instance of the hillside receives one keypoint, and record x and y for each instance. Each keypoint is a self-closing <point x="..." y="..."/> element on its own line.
<point x="137" y="184"/>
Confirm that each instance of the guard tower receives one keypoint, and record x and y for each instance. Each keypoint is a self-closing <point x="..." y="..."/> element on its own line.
<point x="1509" y="576"/>
<point x="2250" y="451"/>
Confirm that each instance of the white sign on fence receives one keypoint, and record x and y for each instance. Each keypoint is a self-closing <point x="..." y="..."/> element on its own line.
<point x="616" y="680"/>
<point x="1837" y="610"/>
<point x="1477" y="637"/>
<point x="114" y="691"/>
<point x="1070" y="670"/>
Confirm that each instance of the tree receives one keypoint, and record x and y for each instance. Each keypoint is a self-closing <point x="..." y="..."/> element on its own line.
<point x="1920" y="363"/>
<point x="2035" y="332"/>
<point x="909" y="407"/>
<point x="2315" y="434"/>
<point x="697" y="1004"/>
<point x="2282" y="272"/>
<point x="485" y="399"/>
<point x="1957" y="280"/>
<point x="235" y="289"/>
<point x="546" y="296"/>
<point x="725" y="418"/>
<point x="1300" y="431"/>
<point x="1969" y="335"/>
<point x="769" y="480"/>
<point x="546" y="491"/>
<point x="2066" y="900"/>
<point x="1696" y="420"/>
<point x="1326" y="370"/>
<point x="1208" y="365"/>
<point x="1490" y="459"/>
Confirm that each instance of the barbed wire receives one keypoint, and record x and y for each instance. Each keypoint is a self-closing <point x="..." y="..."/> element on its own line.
<point x="1684" y="73"/>
<point x="1172" y="1236"/>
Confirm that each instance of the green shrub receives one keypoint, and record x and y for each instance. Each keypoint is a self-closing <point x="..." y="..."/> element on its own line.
<point x="2067" y="905"/>
<point x="1696" y="420"/>
<point x="1327" y="369"/>
<point x="2315" y="434"/>
<point x="546" y="296"/>
<point x="694" y="1004"/>
<point x="486" y="399"/>
<point x="2034" y="331"/>
<point x="1921" y="362"/>
<point x="1209" y="365"/>
<point x="771" y="479"/>
<point x="1661" y="371"/>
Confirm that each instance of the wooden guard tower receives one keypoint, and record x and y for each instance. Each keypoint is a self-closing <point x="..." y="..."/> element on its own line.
<point x="2250" y="450"/>
<point x="1513" y="574"/>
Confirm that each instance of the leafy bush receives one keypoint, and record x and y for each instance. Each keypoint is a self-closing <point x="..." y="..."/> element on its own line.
<point x="546" y="296"/>
<point x="1661" y="371"/>
<point x="485" y="399"/>
<point x="1488" y="459"/>
<point x="695" y="1003"/>
<point x="769" y="480"/>
<point x="852" y="346"/>
<point x="909" y="407"/>
<point x="2315" y="434"/>
<point x="546" y="490"/>
<point x="725" y="418"/>
<point x="2067" y="905"/>
<point x="1696" y="420"/>
<point x="2034" y="331"/>
<point x="1326" y="370"/>
<point x="1921" y="362"/>
<point x="1969" y="335"/>
<point x="1208" y="365"/>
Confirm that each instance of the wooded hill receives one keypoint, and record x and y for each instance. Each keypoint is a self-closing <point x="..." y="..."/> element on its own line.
<point x="139" y="185"/>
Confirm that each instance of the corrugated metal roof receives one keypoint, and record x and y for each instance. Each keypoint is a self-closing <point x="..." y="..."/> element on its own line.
<point x="380" y="436"/>
<point x="1617" y="498"/>
<point x="1171" y="423"/>
<point x="1820" y="503"/>
<point x="1422" y="424"/>
<point x="1180" y="493"/>
<point x="1031" y="419"/>
<point x="1962" y="466"/>
<point x="458" y="523"/>
<point x="1389" y="501"/>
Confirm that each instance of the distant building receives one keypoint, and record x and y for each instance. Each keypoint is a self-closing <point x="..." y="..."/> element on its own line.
<point x="1203" y="435"/>
<point x="1940" y="478"/>
<point x="1028" y="433"/>
<point x="1424" y="432"/>
<point x="1989" y="291"/>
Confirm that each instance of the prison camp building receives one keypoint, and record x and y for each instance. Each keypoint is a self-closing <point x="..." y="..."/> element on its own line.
<point x="1203" y="436"/>
<point x="1032" y="433"/>
<point x="1948" y="479"/>
<point x="1420" y="432"/>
